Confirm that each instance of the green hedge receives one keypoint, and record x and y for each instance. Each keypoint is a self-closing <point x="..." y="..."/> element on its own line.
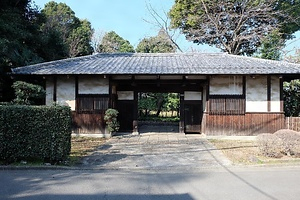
<point x="35" y="132"/>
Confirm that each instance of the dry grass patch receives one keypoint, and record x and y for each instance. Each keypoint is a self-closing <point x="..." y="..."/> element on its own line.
<point x="83" y="146"/>
<point x="246" y="152"/>
<point x="238" y="151"/>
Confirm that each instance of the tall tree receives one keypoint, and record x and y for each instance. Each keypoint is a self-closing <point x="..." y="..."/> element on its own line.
<point x="271" y="46"/>
<point x="80" y="39"/>
<point x="74" y="33"/>
<point x="19" y="39"/>
<point x="60" y="17"/>
<point x="18" y="32"/>
<point x="112" y="43"/>
<point x="235" y="26"/>
<point x="290" y="19"/>
<point x="157" y="44"/>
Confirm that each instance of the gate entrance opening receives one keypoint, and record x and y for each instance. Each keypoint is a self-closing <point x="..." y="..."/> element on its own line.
<point x="176" y="104"/>
<point x="158" y="112"/>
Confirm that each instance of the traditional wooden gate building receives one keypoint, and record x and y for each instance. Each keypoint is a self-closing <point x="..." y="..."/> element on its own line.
<point x="220" y="94"/>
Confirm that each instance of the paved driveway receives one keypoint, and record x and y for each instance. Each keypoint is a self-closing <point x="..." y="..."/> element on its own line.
<point x="156" y="151"/>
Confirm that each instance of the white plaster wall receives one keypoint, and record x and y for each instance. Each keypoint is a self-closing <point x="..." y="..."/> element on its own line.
<point x="93" y="85"/>
<point x="256" y="94"/>
<point x="65" y="92"/>
<point x="49" y="91"/>
<point x="125" y="95"/>
<point x="188" y="95"/>
<point x="275" y="94"/>
<point x="222" y="85"/>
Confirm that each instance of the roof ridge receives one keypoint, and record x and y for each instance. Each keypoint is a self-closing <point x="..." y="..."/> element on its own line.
<point x="263" y="59"/>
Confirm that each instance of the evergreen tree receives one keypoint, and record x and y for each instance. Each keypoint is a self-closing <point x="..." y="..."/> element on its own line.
<point x="113" y="43"/>
<point x="158" y="44"/>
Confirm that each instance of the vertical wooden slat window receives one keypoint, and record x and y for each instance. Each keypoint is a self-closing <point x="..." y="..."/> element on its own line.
<point x="227" y="105"/>
<point x="92" y="103"/>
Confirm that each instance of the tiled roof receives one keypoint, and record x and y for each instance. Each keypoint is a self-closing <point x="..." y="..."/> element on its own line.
<point x="163" y="63"/>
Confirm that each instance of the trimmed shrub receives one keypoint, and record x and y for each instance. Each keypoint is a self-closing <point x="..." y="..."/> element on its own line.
<point x="26" y="93"/>
<point x="111" y="121"/>
<point x="270" y="145"/>
<point x="35" y="132"/>
<point x="291" y="141"/>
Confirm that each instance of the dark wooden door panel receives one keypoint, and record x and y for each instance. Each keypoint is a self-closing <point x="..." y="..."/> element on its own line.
<point x="192" y="116"/>
<point x="126" y="114"/>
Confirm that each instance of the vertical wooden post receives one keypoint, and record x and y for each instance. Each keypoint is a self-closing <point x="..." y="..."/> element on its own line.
<point x="135" y="130"/>
<point x="269" y="92"/>
<point x="181" y="123"/>
<point x="54" y="88"/>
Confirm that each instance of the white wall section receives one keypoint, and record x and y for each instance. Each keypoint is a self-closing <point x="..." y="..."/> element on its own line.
<point x="49" y="91"/>
<point x="93" y="85"/>
<point x="65" y="92"/>
<point x="125" y="95"/>
<point x="275" y="94"/>
<point x="256" y="94"/>
<point x="188" y="95"/>
<point x="226" y="85"/>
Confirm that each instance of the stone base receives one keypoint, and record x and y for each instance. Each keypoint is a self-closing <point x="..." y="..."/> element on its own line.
<point x="100" y="135"/>
<point x="135" y="133"/>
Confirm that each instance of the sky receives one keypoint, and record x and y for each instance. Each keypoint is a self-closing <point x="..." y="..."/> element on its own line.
<point x="127" y="19"/>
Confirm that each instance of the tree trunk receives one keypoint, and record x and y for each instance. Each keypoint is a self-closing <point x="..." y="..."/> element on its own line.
<point x="159" y="105"/>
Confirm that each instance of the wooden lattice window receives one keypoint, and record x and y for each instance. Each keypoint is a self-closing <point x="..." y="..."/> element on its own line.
<point x="92" y="103"/>
<point x="227" y="104"/>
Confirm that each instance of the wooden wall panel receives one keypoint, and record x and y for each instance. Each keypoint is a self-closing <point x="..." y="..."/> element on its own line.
<point x="293" y="123"/>
<point x="248" y="124"/>
<point x="88" y="123"/>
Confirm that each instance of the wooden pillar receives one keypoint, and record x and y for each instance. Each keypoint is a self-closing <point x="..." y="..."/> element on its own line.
<point x="281" y="94"/>
<point x="54" y="88"/>
<point x="269" y="92"/>
<point x="135" y="127"/>
<point x="181" y="122"/>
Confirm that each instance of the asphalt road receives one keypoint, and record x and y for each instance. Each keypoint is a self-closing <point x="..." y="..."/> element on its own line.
<point x="211" y="183"/>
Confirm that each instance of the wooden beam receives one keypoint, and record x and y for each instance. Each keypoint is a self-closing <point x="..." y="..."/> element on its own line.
<point x="281" y="94"/>
<point x="76" y="86"/>
<point x="269" y="92"/>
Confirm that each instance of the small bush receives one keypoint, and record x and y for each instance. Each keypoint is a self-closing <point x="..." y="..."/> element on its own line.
<point x="270" y="145"/>
<point x="110" y="118"/>
<point x="35" y="132"/>
<point x="26" y="93"/>
<point x="291" y="142"/>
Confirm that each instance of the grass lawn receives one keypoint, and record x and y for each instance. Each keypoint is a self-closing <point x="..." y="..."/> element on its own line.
<point x="246" y="152"/>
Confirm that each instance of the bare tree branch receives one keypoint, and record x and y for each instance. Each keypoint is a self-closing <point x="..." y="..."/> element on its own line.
<point x="162" y="23"/>
<point x="97" y="39"/>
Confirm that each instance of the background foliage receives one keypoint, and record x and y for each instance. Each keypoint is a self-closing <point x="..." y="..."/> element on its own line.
<point x="291" y="95"/>
<point x="151" y="105"/>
